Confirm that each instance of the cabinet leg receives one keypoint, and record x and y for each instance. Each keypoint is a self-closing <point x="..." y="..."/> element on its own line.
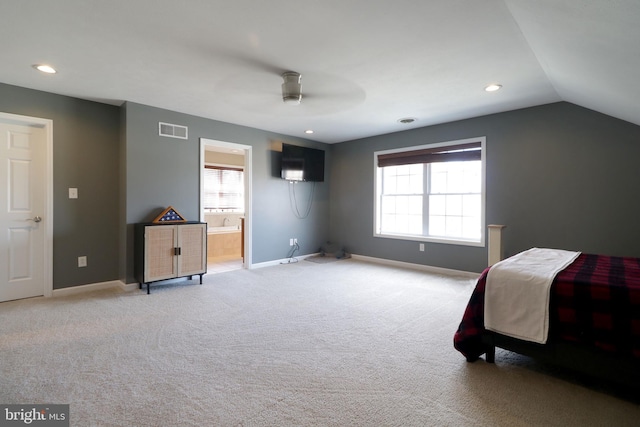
<point x="201" y="279"/>
<point x="148" y="292"/>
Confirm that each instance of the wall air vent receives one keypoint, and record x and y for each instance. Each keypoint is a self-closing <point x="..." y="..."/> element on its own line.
<point x="173" y="131"/>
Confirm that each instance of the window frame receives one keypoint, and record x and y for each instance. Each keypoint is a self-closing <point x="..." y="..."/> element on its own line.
<point x="377" y="189"/>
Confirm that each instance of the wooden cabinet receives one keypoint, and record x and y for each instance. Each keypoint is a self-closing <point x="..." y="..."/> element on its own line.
<point x="166" y="251"/>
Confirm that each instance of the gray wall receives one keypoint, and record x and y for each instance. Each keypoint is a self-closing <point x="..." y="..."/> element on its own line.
<point x="164" y="171"/>
<point x="558" y="176"/>
<point x="125" y="173"/>
<point x="85" y="156"/>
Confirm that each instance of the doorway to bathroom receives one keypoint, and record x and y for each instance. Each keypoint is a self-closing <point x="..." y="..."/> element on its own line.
<point x="225" y="187"/>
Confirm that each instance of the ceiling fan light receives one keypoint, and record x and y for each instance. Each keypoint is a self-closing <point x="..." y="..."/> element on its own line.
<point x="292" y="99"/>
<point x="291" y="88"/>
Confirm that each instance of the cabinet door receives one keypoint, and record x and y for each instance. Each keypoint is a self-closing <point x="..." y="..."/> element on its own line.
<point x="161" y="262"/>
<point x="192" y="239"/>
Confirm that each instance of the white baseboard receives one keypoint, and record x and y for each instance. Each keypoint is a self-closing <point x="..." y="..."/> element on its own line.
<point x="130" y="286"/>
<point x="281" y="261"/>
<point x="87" y="288"/>
<point x="422" y="267"/>
<point x="135" y="286"/>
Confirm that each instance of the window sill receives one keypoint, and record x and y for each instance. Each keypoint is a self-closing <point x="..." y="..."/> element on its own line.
<point x="443" y="240"/>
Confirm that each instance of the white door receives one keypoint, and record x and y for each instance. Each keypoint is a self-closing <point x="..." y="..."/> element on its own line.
<point x="23" y="167"/>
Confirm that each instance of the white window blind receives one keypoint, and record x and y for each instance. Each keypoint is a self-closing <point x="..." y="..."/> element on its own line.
<point x="223" y="188"/>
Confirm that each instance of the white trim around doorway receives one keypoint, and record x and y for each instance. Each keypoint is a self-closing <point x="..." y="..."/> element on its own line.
<point x="247" y="150"/>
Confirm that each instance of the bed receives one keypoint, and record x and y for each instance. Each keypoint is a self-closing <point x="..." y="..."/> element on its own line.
<point x="593" y="320"/>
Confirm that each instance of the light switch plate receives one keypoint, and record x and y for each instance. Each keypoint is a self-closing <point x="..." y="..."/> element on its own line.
<point x="73" y="193"/>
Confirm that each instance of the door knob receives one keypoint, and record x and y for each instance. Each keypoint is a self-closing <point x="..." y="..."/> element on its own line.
<point x="35" y="219"/>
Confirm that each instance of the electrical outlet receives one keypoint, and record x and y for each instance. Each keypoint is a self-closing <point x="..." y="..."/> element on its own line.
<point x="82" y="261"/>
<point x="290" y="242"/>
<point x="295" y="241"/>
<point x="73" y="193"/>
<point x="421" y="247"/>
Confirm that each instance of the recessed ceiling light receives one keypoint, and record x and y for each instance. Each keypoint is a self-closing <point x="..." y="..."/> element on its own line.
<point x="406" y="120"/>
<point x="492" y="87"/>
<point x="308" y="131"/>
<point x="45" y="68"/>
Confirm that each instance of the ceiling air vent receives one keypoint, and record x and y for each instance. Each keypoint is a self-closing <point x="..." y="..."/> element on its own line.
<point x="173" y="131"/>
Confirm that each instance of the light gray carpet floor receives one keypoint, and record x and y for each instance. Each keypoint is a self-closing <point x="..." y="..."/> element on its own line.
<point x="347" y="343"/>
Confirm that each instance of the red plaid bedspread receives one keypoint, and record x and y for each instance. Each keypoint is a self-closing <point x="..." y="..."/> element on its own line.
<point x="594" y="301"/>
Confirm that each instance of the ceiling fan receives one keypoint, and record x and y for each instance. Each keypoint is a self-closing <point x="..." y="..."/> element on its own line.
<point x="292" y="87"/>
<point x="330" y="94"/>
<point x="251" y="88"/>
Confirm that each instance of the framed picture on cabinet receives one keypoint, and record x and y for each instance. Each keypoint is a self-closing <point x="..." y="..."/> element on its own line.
<point x="169" y="216"/>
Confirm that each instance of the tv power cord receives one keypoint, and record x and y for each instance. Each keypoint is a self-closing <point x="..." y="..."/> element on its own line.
<point x="291" y="258"/>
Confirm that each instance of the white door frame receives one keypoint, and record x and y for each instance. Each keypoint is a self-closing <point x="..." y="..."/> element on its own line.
<point x="247" y="149"/>
<point x="47" y="217"/>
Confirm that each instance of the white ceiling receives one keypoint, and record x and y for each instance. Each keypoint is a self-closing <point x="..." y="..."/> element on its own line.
<point x="364" y="63"/>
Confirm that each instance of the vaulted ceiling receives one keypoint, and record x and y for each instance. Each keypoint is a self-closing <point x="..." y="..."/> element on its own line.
<point x="365" y="64"/>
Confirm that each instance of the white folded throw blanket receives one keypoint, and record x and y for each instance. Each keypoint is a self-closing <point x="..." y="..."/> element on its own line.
<point x="516" y="300"/>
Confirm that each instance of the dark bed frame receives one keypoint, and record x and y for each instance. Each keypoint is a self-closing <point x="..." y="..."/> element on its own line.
<point x="580" y="359"/>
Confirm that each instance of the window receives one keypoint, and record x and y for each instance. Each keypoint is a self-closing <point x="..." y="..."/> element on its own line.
<point x="432" y="193"/>
<point x="223" y="189"/>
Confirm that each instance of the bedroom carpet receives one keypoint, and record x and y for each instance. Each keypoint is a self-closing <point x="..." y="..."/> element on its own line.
<point x="347" y="343"/>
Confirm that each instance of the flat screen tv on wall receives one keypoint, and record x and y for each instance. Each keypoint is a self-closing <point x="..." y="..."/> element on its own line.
<point x="302" y="164"/>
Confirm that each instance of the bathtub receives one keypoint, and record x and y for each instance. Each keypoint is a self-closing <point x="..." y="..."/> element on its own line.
<point x="224" y="242"/>
<point x="223" y="229"/>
